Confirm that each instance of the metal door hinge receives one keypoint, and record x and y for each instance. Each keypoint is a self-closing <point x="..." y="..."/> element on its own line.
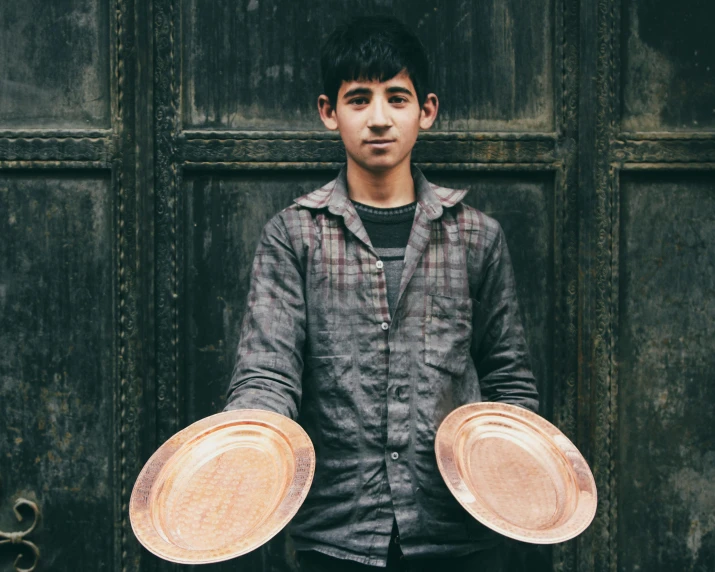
<point x="19" y="537"/>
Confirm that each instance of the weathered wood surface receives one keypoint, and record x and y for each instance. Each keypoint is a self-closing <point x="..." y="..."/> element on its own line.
<point x="56" y="331"/>
<point x="666" y="398"/>
<point x="668" y="74"/>
<point x="144" y="144"/>
<point x="55" y="64"/>
<point x="246" y="67"/>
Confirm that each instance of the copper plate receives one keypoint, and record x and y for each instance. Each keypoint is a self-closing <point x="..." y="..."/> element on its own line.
<point x="222" y="487"/>
<point x="516" y="473"/>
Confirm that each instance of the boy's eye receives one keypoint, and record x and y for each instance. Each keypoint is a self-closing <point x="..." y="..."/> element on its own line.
<point x="364" y="101"/>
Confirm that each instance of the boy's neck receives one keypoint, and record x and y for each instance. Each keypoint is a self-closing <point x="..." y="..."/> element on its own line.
<point x="384" y="189"/>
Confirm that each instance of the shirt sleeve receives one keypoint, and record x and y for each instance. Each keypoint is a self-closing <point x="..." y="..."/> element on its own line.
<point x="269" y="360"/>
<point x="499" y="347"/>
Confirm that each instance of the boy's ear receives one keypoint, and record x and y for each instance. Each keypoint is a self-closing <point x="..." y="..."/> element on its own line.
<point x="428" y="114"/>
<point x="327" y="113"/>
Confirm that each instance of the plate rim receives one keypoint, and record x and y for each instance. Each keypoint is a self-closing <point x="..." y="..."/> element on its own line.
<point x="140" y="514"/>
<point x="446" y="443"/>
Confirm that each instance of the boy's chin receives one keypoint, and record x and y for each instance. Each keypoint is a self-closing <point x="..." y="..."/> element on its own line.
<point x="378" y="164"/>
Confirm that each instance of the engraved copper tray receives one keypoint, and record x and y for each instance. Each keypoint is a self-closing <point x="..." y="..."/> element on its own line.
<point x="222" y="487"/>
<point x="516" y="473"/>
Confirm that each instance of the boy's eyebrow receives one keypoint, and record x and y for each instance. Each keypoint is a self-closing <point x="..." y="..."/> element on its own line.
<point x="368" y="91"/>
<point x="357" y="91"/>
<point x="399" y="89"/>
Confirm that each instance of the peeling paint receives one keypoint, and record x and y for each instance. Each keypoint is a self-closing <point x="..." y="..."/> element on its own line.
<point x="56" y="331"/>
<point x="666" y="465"/>
<point x="644" y="100"/>
<point x="56" y="64"/>
<point x="246" y="67"/>
<point x="667" y="60"/>
<point x="697" y="493"/>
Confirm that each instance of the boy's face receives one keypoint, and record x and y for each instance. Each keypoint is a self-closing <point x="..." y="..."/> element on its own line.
<point x="378" y="121"/>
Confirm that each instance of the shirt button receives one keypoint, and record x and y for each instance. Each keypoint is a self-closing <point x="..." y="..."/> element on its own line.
<point x="385" y="326"/>
<point x="394" y="455"/>
<point x="379" y="264"/>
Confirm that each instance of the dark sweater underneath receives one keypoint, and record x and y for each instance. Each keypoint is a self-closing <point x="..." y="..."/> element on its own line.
<point x="389" y="231"/>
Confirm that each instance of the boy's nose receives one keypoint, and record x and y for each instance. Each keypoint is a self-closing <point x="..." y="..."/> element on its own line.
<point x="379" y="117"/>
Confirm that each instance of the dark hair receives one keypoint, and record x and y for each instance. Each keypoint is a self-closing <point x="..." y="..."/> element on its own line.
<point x="373" y="48"/>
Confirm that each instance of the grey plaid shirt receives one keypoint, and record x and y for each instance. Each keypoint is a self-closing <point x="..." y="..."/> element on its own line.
<point x="318" y="345"/>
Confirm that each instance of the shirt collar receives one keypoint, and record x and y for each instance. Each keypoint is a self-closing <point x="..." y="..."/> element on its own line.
<point x="432" y="199"/>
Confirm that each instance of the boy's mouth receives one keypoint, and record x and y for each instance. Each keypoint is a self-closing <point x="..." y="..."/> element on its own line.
<point x="379" y="143"/>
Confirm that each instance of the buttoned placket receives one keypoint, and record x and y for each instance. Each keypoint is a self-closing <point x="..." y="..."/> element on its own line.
<point x="398" y="410"/>
<point x="398" y="407"/>
<point x="398" y="402"/>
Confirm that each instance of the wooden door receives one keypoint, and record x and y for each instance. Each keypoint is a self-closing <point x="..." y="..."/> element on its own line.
<point x="648" y="216"/>
<point x="143" y="145"/>
<point x="66" y="193"/>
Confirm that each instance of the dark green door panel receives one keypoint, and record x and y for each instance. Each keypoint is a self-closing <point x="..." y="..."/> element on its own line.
<point x="56" y="380"/>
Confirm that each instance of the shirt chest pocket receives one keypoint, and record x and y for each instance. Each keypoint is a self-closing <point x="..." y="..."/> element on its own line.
<point x="448" y="333"/>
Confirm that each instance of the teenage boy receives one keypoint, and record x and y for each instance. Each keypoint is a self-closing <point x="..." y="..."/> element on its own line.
<point x="378" y="304"/>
